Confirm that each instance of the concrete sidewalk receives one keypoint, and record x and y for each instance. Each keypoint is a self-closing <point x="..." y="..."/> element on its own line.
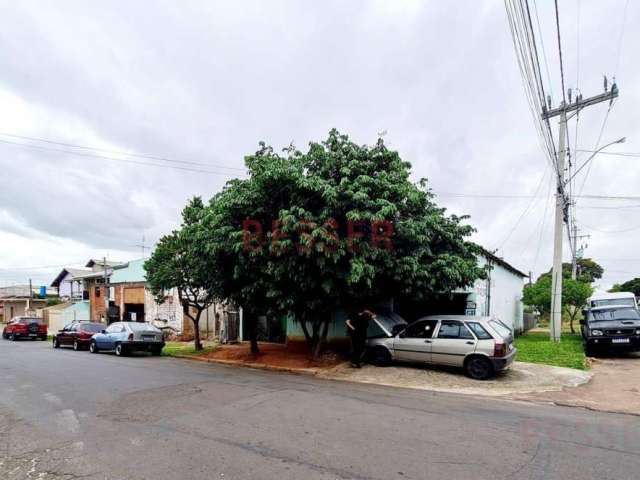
<point x="522" y="378"/>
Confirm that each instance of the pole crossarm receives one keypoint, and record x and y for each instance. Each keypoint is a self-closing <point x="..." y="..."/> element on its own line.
<point x="581" y="103"/>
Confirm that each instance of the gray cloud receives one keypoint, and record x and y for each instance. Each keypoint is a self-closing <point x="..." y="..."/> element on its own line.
<point x="205" y="81"/>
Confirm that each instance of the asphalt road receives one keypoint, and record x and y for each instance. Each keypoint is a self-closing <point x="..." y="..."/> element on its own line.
<point x="67" y="415"/>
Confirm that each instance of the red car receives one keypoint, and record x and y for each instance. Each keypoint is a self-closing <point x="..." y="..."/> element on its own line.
<point x="25" y="327"/>
<point x="77" y="334"/>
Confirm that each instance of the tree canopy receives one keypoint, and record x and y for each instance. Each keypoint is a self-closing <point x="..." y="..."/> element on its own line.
<point x="337" y="226"/>
<point x="575" y="294"/>
<point x="628" y="286"/>
<point x="588" y="270"/>
<point x="180" y="261"/>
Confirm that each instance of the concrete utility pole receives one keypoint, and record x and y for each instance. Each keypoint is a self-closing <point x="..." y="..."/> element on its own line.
<point x="561" y="201"/>
<point x="106" y="290"/>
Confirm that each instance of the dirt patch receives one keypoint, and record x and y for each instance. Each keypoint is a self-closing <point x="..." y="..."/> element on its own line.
<point x="292" y="355"/>
<point x="615" y="387"/>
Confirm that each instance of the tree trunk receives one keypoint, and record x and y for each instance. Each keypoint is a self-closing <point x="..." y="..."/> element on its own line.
<point x="196" y="328"/>
<point x="305" y="330"/>
<point x="322" y="340"/>
<point x="253" y="335"/>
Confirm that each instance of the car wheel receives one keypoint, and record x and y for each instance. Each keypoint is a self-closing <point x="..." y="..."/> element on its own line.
<point x="478" y="368"/>
<point x="93" y="347"/>
<point x="13" y="337"/>
<point x="56" y="343"/>
<point x="76" y="345"/>
<point x="590" y="351"/>
<point x="120" y="350"/>
<point x="156" y="352"/>
<point x="4" y="335"/>
<point x="380" y="357"/>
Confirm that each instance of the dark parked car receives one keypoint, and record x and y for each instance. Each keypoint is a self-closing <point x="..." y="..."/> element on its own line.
<point x="126" y="337"/>
<point x="77" y="334"/>
<point x="610" y="328"/>
<point x="25" y="327"/>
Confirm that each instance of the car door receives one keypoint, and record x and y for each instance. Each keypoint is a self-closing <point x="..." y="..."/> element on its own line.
<point x="452" y="343"/>
<point x="63" y="335"/>
<point x="414" y="343"/>
<point x="68" y="334"/>
<point x="107" y="341"/>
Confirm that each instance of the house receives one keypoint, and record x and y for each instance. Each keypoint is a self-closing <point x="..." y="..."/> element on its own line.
<point x="499" y="295"/>
<point x="68" y="285"/>
<point x="18" y="301"/>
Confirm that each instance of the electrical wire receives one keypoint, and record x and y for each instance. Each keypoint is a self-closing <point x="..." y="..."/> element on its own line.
<point x="564" y="99"/>
<point x="117" y="152"/>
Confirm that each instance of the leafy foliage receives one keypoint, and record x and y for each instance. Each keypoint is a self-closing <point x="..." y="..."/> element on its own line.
<point x="180" y="261"/>
<point x="304" y="264"/>
<point x="588" y="270"/>
<point x="628" y="286"/>
<point x="574" y="295"/>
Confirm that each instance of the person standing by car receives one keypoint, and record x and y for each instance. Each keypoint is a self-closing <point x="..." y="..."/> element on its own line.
<point x="357" y="325"/>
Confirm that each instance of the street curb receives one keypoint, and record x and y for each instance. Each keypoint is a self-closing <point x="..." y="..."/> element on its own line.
<point x="259" y="366"/>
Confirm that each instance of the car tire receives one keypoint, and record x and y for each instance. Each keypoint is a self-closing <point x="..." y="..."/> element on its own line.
<point x="93" y="347"/>
<point x="380" y="357"/>
<point x="4" y="335"/>
<point x="76" y="345"/>
<point x="120" y="350"/>
<point x="590" y="351"/>
<point x="13" y="337"/>
<point x="478" y="368"/>
<point x="156" y="352"/>
<point x="56" y="343"/>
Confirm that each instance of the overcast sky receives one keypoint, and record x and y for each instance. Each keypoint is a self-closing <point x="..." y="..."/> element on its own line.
<point x="205" y="81"/>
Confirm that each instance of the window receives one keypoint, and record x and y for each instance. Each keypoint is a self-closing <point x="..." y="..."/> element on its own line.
<point x="501" y="328"/>
<point x="423" y="329"/>
<point x="91" y="327"/>
<point x="454" y="329"/>
<point x="115" y="328"/>
<point x="479" y="330"/>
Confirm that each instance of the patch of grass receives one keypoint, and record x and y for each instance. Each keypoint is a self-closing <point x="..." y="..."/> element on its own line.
<point x="172" y="349"/>
<point x="537" y="348"/>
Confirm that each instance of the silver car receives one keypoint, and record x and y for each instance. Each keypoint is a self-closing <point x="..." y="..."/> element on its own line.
<point x="480" y="345"/>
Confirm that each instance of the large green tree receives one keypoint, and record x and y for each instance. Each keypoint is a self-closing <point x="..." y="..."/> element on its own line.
<point x="588" y="270"/>
<point x="339" y="225"/>
<point x="180" y="261"/>
<point x="574" y="296"/>
<point x="628" y="286"/>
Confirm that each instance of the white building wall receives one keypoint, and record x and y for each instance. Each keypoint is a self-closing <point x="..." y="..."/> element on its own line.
<point x="166" y="314"/>
<point x="502" y="298"/>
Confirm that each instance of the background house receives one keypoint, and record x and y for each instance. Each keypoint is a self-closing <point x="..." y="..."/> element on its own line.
<point x="69" y="286"/>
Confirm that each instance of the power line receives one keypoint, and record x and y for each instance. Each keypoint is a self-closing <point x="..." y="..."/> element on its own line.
<point x="527" y="208"/>
<point x="135" y="162"/>
<point x="564" y="99"/>
<point x="619" y="154"/>
<point x="624" y="22"/>
<point x="118" y="152"/>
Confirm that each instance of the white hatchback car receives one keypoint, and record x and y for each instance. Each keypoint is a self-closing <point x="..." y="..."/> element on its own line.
<point x="480" y="345"/>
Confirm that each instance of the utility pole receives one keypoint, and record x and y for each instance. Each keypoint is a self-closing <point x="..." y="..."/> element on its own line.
<point x="561" y="201"/>
<point x="106" y="290"/>
<point x="577" y="252"/>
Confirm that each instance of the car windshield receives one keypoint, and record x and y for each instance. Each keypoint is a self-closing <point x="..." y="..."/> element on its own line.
<point x="26" y="321"/>
<point x="92" y="327"/>
<point x="501" y="328"/>
<point x="605" y="302"/>
<point x="614" y="314"/>
<point x="139" y="327"/>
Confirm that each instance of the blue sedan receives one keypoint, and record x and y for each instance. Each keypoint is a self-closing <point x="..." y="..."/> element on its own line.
<point x="126" y="337"/>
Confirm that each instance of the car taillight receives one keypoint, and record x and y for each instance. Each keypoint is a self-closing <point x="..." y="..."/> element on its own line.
<point x="131" y="337"/>
<point x="500" y="349"/>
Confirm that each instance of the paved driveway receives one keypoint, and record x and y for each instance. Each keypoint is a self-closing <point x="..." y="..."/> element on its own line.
<point x="66" y="414"/>
<point x="615" y="387"/>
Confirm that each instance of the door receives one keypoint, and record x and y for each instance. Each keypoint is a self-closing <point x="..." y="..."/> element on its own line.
<point x="108" y="340"/>
<point x="452" y="343"/>
<point x="70" y="334"/>
<point x="64" y="335"/>
<point x="414" y="343"/>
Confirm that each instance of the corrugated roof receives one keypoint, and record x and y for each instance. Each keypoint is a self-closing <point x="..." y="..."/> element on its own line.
<point x="73" y="271"/>
<point x="133" y="272"/>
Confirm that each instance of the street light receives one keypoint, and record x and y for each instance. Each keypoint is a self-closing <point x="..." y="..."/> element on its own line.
<point x="620" y="140"/>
